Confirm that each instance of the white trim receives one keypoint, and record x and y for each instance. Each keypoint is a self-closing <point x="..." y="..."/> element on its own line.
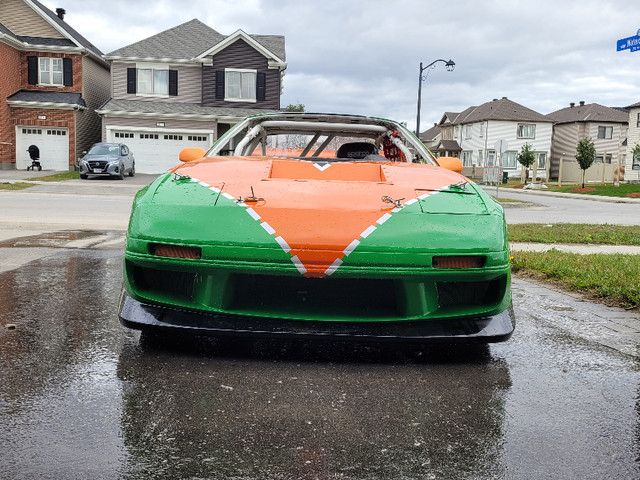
<point x="47" y="105"/>
<point x="184" y="116"/>
<point x="181" y="61"/>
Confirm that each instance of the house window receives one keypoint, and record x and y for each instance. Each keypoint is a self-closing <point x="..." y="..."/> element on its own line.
<point x="455" y="132"/>
<point x="50" y="71"/>
<point x="526" y="130"/>
<point x="542" y="160"/>
<point x="149" y="136"/>
<point x="638" y="121"/>
<point x="240" y="85"/>
<point x="173" y="137"/>
<point x="482" y="125"/>
<point x="636" y="163"/>
<point x="480" y="157"/>
<point x="467" y="158"/>
<point x="123" y="135"/>
<point x="467" y="131"/>
<point x="153" y="81"/>
<point x="509" y="160"/>
<point x="605" y="132"/>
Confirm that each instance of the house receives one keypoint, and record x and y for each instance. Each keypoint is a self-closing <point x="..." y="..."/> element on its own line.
<point x="431" y="136"/>
<point x="51" y="81"/>
<point x="492" y="134"/>
<point x="185" y="87"/>
<point x="632" y="163"/>
<point x="446" y="146"/>
<point x="606" y="126"/>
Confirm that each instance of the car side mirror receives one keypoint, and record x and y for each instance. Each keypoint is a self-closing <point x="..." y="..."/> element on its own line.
<point x="450" y="163"/>
<point x="191" y="154"/>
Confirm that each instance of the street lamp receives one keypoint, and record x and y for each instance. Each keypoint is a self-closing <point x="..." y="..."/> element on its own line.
<point x="449" y="65"/>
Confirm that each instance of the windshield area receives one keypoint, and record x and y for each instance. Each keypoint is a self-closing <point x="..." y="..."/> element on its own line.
<point x="330" y="138"/>
<point x="104" y="150"/>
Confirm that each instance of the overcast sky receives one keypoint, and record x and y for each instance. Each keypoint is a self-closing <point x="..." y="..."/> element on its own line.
<point x="363" y="56"/>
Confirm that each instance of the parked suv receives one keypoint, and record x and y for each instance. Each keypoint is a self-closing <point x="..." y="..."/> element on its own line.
<point x="108" y="159"/>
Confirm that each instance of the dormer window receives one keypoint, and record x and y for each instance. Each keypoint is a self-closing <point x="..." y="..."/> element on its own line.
<point x="50" y="71"/>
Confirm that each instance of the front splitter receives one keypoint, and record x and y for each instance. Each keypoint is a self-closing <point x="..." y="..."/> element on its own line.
<point x="141" y="316"/>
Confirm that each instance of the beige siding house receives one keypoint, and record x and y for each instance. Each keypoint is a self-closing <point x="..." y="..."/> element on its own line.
<point x="632" y="164"/>
<point x="606" y="126"/>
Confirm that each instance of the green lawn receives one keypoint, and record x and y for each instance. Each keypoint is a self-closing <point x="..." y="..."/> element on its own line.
<point x="603" y="189"/>
<point x="574" y="233"/>
<point x="15" y="185"/>
<point x="56" y="177"/>
<point x="609" y="278"/>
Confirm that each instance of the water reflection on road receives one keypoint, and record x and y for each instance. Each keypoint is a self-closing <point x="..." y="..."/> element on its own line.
<point x="83" y="398"/>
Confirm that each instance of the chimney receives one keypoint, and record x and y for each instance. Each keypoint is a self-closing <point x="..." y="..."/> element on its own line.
<point x="572" y="104"/>
<point x="582" y="103"/>
<point x="60" y="12"/>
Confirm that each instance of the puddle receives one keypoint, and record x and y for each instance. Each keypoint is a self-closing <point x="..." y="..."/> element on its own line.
<point x="51" y="239"/>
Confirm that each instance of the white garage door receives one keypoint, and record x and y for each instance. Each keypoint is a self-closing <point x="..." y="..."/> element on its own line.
<point x="158" y="152"/>
<point x="53" y="143"/>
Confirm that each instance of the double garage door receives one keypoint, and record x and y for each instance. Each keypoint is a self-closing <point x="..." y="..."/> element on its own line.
<point x="156" y="152"/>
<point x="53" y="143"/>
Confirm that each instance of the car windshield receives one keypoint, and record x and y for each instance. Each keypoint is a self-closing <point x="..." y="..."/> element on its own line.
<point x="104" y="150"/>
<point x="331" y="138"/>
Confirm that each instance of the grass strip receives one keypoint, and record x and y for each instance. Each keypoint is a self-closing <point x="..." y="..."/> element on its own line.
<point x="601" y="189"/>
<point x="15" y="185"/>
<point x="57" y="177"/>
<point x="610" y="277"/>
<point x="574" y="233"/>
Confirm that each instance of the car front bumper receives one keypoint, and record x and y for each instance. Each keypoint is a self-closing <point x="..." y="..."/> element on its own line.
<point x="489" y="329"/>
<point x="112" y="170"/>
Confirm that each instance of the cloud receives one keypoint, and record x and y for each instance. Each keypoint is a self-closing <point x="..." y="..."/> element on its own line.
<point x="363" y="56"/>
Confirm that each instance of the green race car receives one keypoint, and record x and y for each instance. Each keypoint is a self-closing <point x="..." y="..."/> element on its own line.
<point x="322" y="225"/>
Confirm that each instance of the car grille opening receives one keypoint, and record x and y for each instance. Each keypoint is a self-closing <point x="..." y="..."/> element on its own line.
<point x="484" y="293"/>
<point x="175" y="251"/>
<point x="178" y="285"/>
<point x="347" y="298"/>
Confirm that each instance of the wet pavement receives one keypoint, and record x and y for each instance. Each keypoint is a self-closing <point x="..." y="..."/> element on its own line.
<point x="81" y="397"/>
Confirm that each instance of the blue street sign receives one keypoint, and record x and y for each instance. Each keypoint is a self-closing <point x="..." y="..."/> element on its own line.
<point x="630" y="43"/>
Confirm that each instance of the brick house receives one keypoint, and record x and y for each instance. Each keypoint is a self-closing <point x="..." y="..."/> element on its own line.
<point x="51" y="81"/>
<point x="186" y="86"/>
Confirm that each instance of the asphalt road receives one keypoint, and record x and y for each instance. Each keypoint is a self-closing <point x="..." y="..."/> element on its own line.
<point x="82" y="397"/>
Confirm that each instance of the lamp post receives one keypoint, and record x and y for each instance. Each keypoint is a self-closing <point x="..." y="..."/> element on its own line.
<point x="450" y="65"/>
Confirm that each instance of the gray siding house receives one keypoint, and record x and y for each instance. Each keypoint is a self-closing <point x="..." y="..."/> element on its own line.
<point x="185" y="87"/>
<point x="606" y="126"/>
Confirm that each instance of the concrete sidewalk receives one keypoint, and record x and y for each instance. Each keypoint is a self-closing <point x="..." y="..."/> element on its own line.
<point x="576" y="248"/>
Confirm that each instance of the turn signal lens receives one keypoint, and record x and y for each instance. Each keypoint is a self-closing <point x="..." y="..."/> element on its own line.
<point x="468" y="261"/>
<point x="175" y="251"/>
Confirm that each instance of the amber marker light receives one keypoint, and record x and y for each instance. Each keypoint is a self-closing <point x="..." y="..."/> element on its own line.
<point x="175" y="251"/>
<point x="458" y="261"/>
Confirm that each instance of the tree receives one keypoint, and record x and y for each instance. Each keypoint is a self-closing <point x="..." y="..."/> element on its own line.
<point x="586" y="155"/>
<point x="635" y="153"/>
<point x="298" y="107"/>
<point x="526" y="157"/>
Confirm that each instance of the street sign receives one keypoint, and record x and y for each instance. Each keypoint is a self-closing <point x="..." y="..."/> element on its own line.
<point x="630" y="43"/>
